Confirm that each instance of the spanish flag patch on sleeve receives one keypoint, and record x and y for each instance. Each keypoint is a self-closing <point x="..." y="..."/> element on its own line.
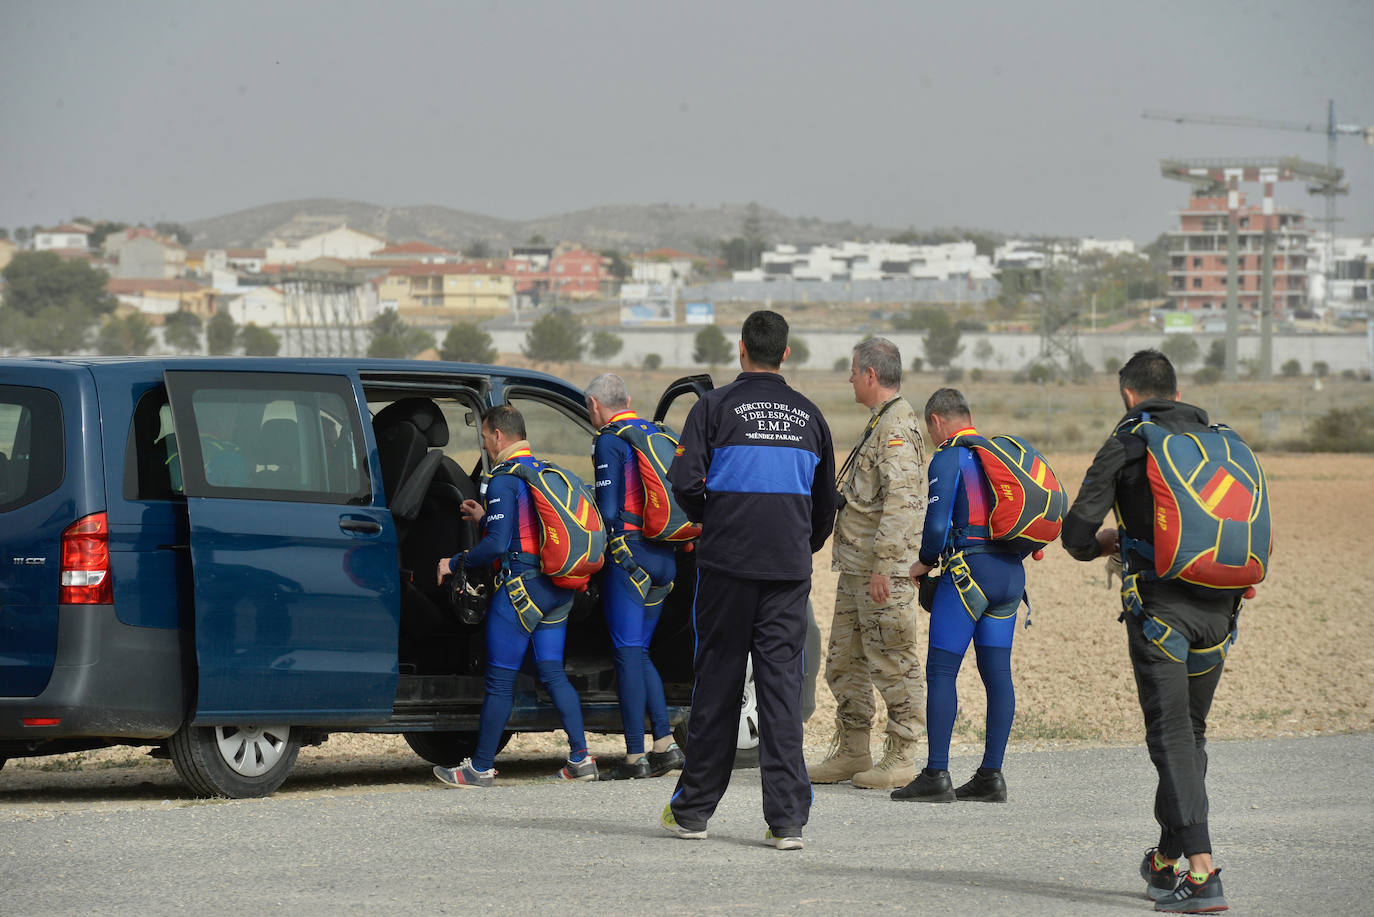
<point x="896" y="441"/>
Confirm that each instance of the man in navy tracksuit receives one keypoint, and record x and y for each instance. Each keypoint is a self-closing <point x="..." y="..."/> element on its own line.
<point x="756" y="467"/>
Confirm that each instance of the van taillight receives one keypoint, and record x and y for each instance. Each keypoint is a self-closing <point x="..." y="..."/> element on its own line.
<point x="86" y="562"/>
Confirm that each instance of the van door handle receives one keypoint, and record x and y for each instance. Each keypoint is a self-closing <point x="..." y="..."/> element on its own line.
<point x="361" y="526"/>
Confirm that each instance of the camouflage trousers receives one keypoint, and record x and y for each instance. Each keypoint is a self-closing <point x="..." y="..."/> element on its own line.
<point x="873" y="647"/>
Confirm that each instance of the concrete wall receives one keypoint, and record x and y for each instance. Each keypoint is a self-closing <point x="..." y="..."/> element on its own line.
<point x="1010" y="351"/>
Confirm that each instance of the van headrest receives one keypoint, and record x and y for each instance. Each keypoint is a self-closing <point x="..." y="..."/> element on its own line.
<point x="422" y="412"/>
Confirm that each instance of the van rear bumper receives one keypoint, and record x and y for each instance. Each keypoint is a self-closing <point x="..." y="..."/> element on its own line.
<point x="109" y="679"/>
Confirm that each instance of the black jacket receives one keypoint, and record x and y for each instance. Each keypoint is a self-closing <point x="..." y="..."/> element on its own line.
<point x="1117" y="478"/>
<point x="756" y="467"/>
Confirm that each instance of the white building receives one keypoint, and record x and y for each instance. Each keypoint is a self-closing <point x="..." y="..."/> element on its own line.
<point x="871" y="261"/>
<point x="147" y="256"/>
<point x="1352" y="273"/>
<point x="342" y="243"/>
<point x="68" y="237"/>
<point x="261" y="306"/>
<point x="1036" y="254"/>
<point x="664" y="266"/>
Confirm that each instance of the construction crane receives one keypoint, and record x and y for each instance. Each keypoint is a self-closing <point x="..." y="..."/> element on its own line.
<point x="1331" y="129"/>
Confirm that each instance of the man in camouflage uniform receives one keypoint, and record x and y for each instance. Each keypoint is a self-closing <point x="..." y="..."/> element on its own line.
<point x="873" y="640"/>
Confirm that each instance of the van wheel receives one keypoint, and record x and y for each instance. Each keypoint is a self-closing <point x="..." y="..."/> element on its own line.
<point x="449" y="748"/>
<point x="238" y="762"/>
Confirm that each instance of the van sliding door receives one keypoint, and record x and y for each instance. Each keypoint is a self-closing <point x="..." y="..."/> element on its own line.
<point x="297" y="601"/>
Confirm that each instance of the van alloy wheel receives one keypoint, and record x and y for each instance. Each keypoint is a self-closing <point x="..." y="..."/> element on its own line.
<point x="240" y="762"/>
<point x="252" y="751"/>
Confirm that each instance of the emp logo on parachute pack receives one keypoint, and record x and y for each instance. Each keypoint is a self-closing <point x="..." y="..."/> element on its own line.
<point x="552" y="535"/>
<point x="1007" y="493"/>
<point x="1161" y="519"/>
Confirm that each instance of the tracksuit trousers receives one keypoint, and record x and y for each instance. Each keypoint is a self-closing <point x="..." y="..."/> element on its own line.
<point x="732" y="619"/>
<point x="1175" y="706"/>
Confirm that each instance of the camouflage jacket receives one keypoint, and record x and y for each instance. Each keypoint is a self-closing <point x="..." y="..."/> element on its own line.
<point x="879" y="528"/>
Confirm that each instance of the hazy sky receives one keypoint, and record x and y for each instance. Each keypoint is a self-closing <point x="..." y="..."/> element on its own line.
<point x="1013" y="116"/>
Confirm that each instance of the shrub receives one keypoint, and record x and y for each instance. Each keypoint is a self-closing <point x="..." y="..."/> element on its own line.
<point x="606" y="344"/>
<point x="1321" y="369"/>
<point x="1181" y="349"/>
<point x="1343" y="431"/>
<point x="1111" y="365"/>
<point x="556" y="338"/>
<point x="917" y="364"/>
<point x="467" y="343"/>
<point x="711" y="347"/>
<point x="844" y="365"/>
<point x="259" y="342"/>
<point x="975" y="375"/>
<point x="1208" y="375"/>
<point x="953" y="374"/>
<point x="1290" y="368"/>
<point x="652" y="361"/>
<point x="1039" y="373"/>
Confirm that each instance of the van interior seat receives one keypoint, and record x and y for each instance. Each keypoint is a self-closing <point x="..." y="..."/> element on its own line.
<point x="425" y="489"/>
<point x="279" y="455"/>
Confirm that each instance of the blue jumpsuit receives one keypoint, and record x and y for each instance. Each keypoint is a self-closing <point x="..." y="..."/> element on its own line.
<point x="959" y="499"/>
<point x="631" y="622"/>
<point x="510" y="526"/>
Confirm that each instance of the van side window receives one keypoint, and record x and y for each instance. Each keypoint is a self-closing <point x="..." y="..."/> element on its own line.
<point x="556" y="435"/>
<point x="152" y="463"/>
<point x="267" y="441"/>
<point x="32" y="447"/>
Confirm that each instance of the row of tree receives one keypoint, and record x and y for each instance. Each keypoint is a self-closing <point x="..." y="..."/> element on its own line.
<point x="101" y="229"/>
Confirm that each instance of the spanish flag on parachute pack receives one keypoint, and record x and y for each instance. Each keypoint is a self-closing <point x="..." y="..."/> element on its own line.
<point x="1211" y="520"/>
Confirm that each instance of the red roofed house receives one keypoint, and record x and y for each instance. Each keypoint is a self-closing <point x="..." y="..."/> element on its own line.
<point x="162" y="295"/>
<point x="542" y="275"/>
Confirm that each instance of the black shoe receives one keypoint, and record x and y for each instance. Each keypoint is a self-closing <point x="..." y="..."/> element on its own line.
<point x="986" y="786"/>
<point x="1195" y="898"/>
<point x="1158" y="882"/>
<point x="929" y="786"/>
<point x="627" y="771"/>
<point x="661" y="762"/>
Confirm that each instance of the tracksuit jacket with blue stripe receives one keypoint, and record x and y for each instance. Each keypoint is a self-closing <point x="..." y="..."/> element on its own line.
<point x="756" y="467"/>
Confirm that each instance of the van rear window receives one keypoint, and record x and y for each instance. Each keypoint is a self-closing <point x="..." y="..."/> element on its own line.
<point x="31" y="445"/>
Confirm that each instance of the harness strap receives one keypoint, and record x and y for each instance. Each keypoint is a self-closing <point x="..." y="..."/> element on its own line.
<point x="624" y="558"/>
<point x="1199" y="660"/>
<point x="868" y="431"/>
<point x="971" y="531"/>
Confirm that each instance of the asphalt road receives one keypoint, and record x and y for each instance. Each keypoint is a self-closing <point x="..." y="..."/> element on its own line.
<point x="1292" y="819"/>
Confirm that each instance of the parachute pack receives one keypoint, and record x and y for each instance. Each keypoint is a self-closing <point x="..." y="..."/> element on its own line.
<point x="1029" y="503"/>
<point x="572" y="537"/>
<point x="654" y="449"/>
<point x="1211" y="518"/>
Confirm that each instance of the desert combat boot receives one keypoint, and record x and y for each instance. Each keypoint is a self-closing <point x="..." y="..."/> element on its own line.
<point x="849" y="754"/>
<point x="897" y="767"/>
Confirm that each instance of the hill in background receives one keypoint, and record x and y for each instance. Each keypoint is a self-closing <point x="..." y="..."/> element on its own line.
<point x="626" y="228"/>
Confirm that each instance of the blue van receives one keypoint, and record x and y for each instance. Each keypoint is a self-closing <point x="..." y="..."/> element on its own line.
<point x="227" y="558"/>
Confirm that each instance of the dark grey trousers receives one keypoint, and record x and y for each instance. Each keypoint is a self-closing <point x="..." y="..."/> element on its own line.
<point x="1175" y="708"/>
